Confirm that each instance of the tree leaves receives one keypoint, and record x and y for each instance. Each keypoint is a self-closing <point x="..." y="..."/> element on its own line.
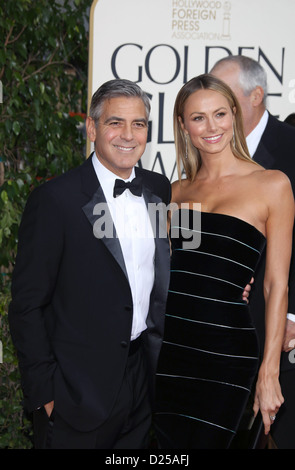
<point x="16" y="127"/>
<point x="43" y="69"/>
<point x="43" y="72"/>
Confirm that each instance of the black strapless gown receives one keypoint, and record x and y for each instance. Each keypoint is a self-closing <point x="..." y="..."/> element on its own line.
<point x="209" y="356"/>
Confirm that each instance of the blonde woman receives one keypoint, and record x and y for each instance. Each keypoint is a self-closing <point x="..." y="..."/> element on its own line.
<point x="209" y="357"/>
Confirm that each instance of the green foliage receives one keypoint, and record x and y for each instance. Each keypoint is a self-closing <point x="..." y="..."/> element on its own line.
<point x="13" y="194"/>
<point x="43" y="72"/>
<point x="15" y="426"/>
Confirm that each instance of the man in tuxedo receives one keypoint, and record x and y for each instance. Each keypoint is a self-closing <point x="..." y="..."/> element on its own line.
<point x="90" y="284"/>
<point x="271" y="143"/>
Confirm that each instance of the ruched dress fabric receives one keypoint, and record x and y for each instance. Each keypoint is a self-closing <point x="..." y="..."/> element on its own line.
<point x="209" y="356"/>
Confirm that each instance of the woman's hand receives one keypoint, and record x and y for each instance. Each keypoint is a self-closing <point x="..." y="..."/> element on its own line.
<point x="289" y="339"/>
<point x="247" y="291"/>
<point x="268" y="398"/>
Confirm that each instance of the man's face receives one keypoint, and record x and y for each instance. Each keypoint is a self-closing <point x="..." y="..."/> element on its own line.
<point x="229" y="73"/>
<point x="120" y="135"/>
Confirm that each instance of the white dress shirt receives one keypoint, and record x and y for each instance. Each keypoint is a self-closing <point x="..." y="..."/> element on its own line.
<point x="254" y="137"/>
<point x="136" y="238"/>
<point x="253" y="140"/>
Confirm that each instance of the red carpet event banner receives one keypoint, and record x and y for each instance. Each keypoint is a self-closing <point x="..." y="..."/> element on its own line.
<point x="161" y="44"/>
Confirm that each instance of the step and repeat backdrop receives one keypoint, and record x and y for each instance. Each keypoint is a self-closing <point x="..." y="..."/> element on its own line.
<point x="161" y="44"/>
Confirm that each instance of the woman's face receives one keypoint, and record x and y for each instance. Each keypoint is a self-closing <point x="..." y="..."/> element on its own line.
<point x="208" y="120"/>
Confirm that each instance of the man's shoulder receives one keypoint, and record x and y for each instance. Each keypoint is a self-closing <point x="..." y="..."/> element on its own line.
<point x="282" y="128"/>
<point x="156" y="178"/>
<point x="157" y="183"/>
<point x="68" y="177"/>
<point x="60" y="187"/>
<point x="277" y="148"/>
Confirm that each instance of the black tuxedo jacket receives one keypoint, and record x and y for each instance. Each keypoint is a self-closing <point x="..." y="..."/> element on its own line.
<point x="71" y="310"/>
<point x="276" y="150"/>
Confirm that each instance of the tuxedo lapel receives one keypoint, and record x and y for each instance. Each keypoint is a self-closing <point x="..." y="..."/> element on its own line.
<point x="157" y="213"/>
<point x="158" y="216"/>
<point x="99" y="216"/>
<point x="263" y="156"/>
<point x="266" y="150"/>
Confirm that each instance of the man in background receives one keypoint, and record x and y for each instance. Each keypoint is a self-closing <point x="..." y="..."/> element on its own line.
<point x="271" y="143"/>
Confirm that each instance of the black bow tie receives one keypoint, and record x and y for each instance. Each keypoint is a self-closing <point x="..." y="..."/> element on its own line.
<point x="135" y="186"/>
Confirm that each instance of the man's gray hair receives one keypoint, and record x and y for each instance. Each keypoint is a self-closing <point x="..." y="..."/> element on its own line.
<point x="252" y="74"/>
<point x="114" y="89"/>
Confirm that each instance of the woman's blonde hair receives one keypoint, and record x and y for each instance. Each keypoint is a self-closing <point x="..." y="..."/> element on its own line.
<point x="188" y="157"/>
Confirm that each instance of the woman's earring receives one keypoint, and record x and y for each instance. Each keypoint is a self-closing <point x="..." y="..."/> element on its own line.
<point x="234" y="138"/>
<point x="186" y="150"/>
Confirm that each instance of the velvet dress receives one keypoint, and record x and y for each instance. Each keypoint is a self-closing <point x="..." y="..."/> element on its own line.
<point x="210" y="354"/>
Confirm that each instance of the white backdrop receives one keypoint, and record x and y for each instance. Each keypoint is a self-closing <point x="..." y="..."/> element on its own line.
<point x="161" y="44"/>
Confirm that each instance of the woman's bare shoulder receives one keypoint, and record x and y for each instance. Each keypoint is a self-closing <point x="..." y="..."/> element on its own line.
<point x="272" y="179"/>
<point x="274" y="187"/>
<point x="178" y="188"/>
